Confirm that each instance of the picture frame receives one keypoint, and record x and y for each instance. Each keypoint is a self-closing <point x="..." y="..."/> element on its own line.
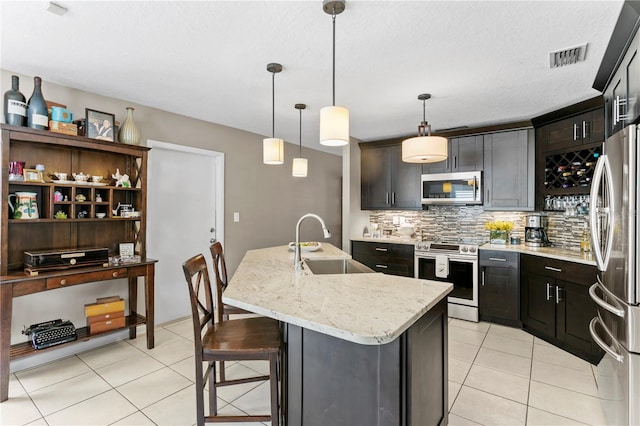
<point x="99" y="125"/>
<point x="32" y="175"/>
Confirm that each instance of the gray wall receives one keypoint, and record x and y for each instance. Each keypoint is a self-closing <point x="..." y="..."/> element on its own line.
<point x="270" y="201"/>
<point x="268" y="198"/>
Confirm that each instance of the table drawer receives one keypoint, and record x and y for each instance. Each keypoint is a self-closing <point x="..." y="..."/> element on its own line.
<point x="73" y="279"/>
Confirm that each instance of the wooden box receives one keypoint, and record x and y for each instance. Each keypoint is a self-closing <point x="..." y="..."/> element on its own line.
<point x="107" y="325"/>
<point x="64" y="128"/>
<point x="103" y="306"/>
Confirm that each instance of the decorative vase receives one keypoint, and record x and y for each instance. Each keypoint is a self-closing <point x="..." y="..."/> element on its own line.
<point x="37" y="112"/>
<point x="129" y="133"/>
<point x="15" y="105"/>
<point x="498" y="237"/>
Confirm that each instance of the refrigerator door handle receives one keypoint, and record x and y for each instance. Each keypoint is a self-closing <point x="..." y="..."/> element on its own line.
<point x="602" y="169"/>
<point x="600" y="342"/>
<point x="600" y="302"/>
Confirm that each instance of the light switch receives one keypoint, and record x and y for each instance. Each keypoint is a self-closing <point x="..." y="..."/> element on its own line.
<point x="236" y="216"/>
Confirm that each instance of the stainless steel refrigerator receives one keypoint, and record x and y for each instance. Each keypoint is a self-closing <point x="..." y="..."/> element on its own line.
<point x="614" y="232"/>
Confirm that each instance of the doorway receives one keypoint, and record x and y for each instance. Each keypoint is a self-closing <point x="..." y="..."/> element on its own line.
<point x="185" y="203"/>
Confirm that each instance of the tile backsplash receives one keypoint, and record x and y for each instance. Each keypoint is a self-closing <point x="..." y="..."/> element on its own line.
<point x="452" y="223"/>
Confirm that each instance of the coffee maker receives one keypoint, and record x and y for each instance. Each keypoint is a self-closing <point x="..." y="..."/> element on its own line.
<point x="535" y="231"/>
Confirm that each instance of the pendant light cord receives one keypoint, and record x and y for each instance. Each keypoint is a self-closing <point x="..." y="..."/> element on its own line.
<point x="334" y="56"/>
<point x="301" y="133"/>
<point x="273" y="104"/>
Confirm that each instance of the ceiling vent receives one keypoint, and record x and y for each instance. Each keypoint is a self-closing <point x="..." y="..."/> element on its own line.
<point x="568" y="56"/>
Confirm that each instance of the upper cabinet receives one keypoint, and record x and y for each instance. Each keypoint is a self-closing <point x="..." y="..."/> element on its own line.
<point x="618" y="77"/>
<point x="568" y="143"/>
<point x="386" y="181"/>
<point x="465" y="155"/>
<point x="509" y="170"/>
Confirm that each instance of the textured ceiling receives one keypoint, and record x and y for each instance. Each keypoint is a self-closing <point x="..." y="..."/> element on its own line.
<point x="484" y="62"/>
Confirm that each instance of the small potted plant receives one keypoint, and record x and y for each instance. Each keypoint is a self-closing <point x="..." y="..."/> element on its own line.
<point x="498" y="231"/>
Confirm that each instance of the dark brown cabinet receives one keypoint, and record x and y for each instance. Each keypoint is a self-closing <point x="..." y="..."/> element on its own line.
<point x="499" y="290"/>
<point x="621" y="96"/>
<point x="568" y="143"/>
<point x="393" y="259"/>
<point x="465" y="155"/>
<point x="386" y="181"/>
<point x="574" y="131"/>
<point x="556" y="305"/>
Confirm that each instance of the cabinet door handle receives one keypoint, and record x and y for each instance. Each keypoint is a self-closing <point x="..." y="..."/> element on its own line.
<point x="381" y="249"/>
<point x="575" y="132"/>
<point x="483" y="269"/>
<point x="551" y="268"/>
<point x="498" y="259"/>
<point x="382" y="266"/>
<point x="585" y="127"/>
<point x="114" y="275"/>
<point x="558" y="300"/>
<point x="393" y="198"/>
<point x="386" y="198"/>
<point x="549" y="296"/>
<point x="615" y="110"/>
<point x="455" y="162"/>
<point x="63" y="282"/>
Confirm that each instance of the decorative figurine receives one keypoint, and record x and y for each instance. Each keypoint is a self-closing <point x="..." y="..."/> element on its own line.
<point x="121" y="180"/>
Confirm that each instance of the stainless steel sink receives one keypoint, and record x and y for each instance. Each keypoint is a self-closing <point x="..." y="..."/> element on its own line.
<point x="336" y="266"/>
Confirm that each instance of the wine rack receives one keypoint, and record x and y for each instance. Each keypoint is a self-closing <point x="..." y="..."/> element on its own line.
<point x="573" y="169"/>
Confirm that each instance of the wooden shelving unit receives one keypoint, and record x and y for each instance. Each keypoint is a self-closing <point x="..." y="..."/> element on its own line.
<point x="82" y="229"/>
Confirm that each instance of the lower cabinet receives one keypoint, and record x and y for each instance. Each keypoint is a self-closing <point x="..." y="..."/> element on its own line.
<point x="499" y="290"/>
<point x="389" y="258"/>
<point x="331" y="381"/>
<point x="556" y="306"/>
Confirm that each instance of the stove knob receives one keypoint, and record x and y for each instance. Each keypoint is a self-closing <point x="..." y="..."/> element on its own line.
<point x="465" y="249"/>
<point x="472" y="249"/>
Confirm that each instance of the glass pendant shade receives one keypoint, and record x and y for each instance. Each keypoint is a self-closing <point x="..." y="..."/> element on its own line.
<point x="334" y="126"/>
<point x="299" y="167"/>
<point x="273" y="151"/>
<point x="424" y="149"/>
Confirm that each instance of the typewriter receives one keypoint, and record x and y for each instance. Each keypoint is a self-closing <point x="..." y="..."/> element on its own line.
<point x="51" y="333"/>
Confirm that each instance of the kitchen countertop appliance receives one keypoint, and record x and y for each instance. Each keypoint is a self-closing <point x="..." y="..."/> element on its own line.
<point x="614" y="232"/>
<point x="456" y="263"/>
<point x="535" y="231"/>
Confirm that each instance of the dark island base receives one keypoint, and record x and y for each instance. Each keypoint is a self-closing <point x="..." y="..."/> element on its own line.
<point x="333" y="381"/>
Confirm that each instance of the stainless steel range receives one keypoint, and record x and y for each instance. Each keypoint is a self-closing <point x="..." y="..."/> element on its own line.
<point x="456" y="263"/>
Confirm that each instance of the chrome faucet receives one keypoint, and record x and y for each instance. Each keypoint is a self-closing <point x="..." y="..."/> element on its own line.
<point x="297" y="258"/>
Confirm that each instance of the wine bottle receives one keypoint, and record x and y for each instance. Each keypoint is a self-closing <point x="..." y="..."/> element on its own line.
<point x="15" y="106"/>
<point x="37" y="114"/>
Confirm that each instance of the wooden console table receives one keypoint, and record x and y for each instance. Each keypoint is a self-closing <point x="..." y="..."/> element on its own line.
<point x="20" y="284"/>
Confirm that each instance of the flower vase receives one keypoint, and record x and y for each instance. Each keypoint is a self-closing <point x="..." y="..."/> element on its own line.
<point x="498" y="237"/>
<point x="129" y="133"/>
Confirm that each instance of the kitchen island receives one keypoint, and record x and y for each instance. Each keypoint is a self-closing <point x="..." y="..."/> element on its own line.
<point x="360" y="349"/>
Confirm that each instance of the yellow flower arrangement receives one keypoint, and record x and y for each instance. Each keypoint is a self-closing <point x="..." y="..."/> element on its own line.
<point x="499" y="225"/>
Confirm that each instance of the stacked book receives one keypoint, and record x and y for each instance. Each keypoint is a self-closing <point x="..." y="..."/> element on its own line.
<point x="105" y="315"/>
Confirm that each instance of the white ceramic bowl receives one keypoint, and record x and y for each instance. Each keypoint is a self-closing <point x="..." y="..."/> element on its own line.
<point x="101" y="215"/>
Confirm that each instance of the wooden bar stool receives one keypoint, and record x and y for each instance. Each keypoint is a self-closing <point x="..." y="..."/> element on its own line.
<point x="228" y="340"/>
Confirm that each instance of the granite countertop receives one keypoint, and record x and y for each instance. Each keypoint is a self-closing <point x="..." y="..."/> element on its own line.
<point x="391" y="240"/>
<point x="559" y="253"/>
<point x="364" y="308"/>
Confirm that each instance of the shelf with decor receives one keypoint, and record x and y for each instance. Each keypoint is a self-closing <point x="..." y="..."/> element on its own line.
<point x="36" y="228"/>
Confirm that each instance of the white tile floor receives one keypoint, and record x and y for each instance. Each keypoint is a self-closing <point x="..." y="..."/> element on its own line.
<point x="497" y="376"/>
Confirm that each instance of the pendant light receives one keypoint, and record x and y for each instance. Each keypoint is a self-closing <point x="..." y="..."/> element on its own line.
<point x="273" y="148"/>
<point x="424" y="148"/>
<point x="334" y="120"/>
<point x="299" y="168"/>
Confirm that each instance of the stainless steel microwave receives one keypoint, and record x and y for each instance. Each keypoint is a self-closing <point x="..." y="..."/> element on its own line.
<point x="452" y="188"/>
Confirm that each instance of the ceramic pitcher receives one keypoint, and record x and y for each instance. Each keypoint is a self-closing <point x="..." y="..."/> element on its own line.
<point x="25" y="205"/>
